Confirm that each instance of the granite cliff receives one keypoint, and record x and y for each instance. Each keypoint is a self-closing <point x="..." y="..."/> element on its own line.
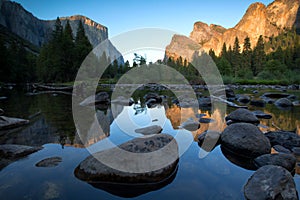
<point x="22" y="23"/>
<point x="259" y="19"/>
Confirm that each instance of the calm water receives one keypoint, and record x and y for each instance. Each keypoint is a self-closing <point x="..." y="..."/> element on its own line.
<point x="212" y="177"/>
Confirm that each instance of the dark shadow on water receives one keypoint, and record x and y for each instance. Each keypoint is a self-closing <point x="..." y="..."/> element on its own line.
<point x="133" y="190"/>
<point x="240" y="161"/>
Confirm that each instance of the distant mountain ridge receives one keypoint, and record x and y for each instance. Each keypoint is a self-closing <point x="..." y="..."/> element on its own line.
<point x="38" y="32"/>
<point x="259" y="19"/>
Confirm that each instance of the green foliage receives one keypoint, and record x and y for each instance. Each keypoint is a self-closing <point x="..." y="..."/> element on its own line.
<point x="60" y="59"/>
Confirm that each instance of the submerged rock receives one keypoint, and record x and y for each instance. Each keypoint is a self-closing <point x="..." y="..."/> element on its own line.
<point x="49" y="162"/>
<point x="141" y="160"/>
<point x="260" y="114"/>
<point x="100" y="98"/>
<point x="209" y="140"/>
<point x="242" y="115"/>
<point x="190" y="125"/>
<point x="13" y="151"/>
<point x="284" y="102"/>
<point x="149" y="130"/>
<point x="9" y="122"/>
<point x="286" y="161"/>
<point x="284" y="138"/>
<point x="245" y="140"/>
<point x="271" y="182"/>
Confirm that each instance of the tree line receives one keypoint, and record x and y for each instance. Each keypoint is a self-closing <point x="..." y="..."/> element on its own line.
<point x="273" y="58"/>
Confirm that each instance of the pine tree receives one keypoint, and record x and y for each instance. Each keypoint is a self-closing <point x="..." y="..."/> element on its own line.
<point x="259" y="56"/>
<point x="68" y="57"/>
<point x="247" y="55"/>
<point x="82" y="45"/>
<point x="236" y="57"/>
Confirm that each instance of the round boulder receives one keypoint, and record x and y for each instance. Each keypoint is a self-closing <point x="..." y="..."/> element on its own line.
<point x="148" y="159"/>
<point x="286" y="161"/>
<point x="242" y="115"/>
<point x="271" y="182"/>
<point x="245" y="140"/>
<point x="283" y="102"/>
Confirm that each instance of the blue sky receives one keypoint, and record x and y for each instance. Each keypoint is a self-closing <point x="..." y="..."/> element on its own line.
<point x="121" y="16"/>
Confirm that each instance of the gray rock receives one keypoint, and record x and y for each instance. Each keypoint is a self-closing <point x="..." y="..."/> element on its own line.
<point x="9" y="122"/>
<point x="49" y="162"/>
<point x="286" y="161"/>
<point x="260" y="114"/>
<point x="257" y="103"/>
<point x="296" y="151"/>
<point x="245" y="140"/>
<point x="3" y="98"/>
<point x="13" y="151"/>
<point x="100" y="98"/>
<point x="204" y="102"/>
<point x="141" y="160"/>
<point x="243" y="99"/>
<point x="286" y="139"/>
<point x="281" y="149"/>
<point x="283" y="102"/>
<point x="270" y="182"/>
<point x="242" y="115"/>
<point x="229" y="92"/>
<point x="1" y="111"/>
<point x="149" y="130"/>
<point x="190" y="125"/>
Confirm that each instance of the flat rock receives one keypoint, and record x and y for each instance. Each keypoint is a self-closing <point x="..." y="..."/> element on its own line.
<point x="149" y="130"/>
<point x="9" y="122"/>
<point x="275" y="95"/>
<point x="49" y="162"/>
<point x="286" y="139"/>
<point x="13" y="151"/>
<point x="242" y="115"/>
<point x="100" y="98"/>
<point x="283" y="102"/>
<point x="245" y="140"/>
<point x="141" y="160"/>
<point x="270" y="182"/>
<point x="260" y="114"/>
<point x="287" y="161"/>
<point x="190" y="125"/>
